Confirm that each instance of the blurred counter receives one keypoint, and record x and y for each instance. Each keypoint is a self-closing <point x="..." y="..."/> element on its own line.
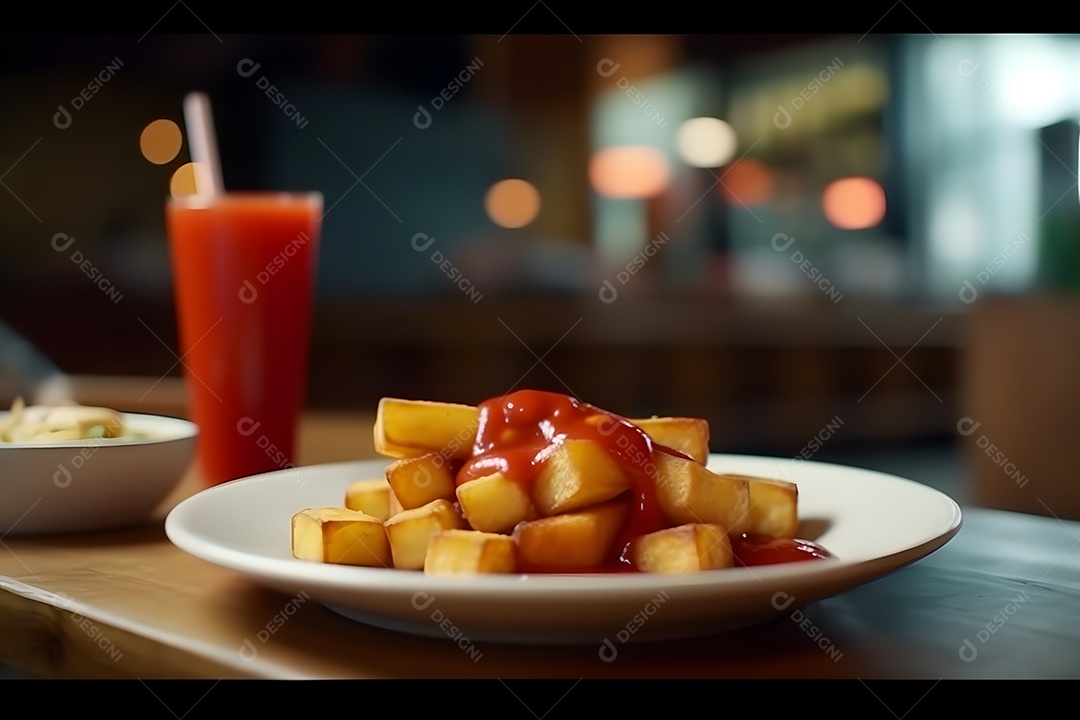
<point x="770" y="376"/>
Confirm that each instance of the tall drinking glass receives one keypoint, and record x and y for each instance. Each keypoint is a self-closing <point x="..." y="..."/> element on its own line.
<point x="243" y="272"/>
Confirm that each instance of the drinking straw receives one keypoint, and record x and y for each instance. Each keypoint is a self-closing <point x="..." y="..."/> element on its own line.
<point x="204" y="152"/>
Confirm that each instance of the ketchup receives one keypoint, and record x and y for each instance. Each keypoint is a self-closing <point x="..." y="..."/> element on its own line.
<point x="752" y="550"/>
<point x="519" y="431"/>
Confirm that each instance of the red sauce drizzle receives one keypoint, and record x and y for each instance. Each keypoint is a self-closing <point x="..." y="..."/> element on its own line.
<point x="518" y="431"/>
<point x="758" y="550"/>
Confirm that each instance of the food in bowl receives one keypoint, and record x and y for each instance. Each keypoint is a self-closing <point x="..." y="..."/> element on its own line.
<point x="78" y="469"/>
<point x="48" y="423"/>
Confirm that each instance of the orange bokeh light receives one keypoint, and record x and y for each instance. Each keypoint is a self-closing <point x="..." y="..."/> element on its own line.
<point x="184" y="180"/>
<point x="160" y="141"/>
<point x="629" y="172"/>
<point x="746" y="182"/>
<point x="512" y="203"/>
<point x="854" y="203"/>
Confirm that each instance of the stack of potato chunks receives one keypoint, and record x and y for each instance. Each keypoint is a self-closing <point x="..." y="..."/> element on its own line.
<point x="419" y="518"/>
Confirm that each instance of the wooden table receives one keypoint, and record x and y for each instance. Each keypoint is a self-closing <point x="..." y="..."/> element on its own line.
<point x="999" y="601"/>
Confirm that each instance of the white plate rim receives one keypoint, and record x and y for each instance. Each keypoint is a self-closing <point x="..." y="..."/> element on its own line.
<point x="816" y="579"/>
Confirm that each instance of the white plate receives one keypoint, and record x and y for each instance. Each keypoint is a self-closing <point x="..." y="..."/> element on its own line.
<point x="873" y="523"/>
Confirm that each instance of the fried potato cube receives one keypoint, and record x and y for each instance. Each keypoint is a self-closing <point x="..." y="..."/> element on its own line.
<point x="577" y="539"/>
<point x="395" y="505"/>
<point x="470" y="552"/>
<point x="410" y="531"/>
<point x="578" y="474"/>
<point x="494" y="503"/>
<point x="406" y="428"/>
<point x="683" y="549"/>
<point x="774" y="507"/>
<point x="369" y="496"/>
<point x="689" y="436"/>
<point x="416" y="481"/>
<point x="690" y="493"/>
<point x="339" y="535"/>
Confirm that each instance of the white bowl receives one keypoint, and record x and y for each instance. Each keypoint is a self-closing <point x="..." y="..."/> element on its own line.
<point x="78" y="485"/>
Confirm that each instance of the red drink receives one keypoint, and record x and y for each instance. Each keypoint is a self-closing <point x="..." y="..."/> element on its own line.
<point x="244" y="269"/>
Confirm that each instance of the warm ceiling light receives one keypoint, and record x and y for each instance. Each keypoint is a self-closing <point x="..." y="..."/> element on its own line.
<point x="512" y="203"/>
<point x="854" y="203"/>
<point x="746" y="182"/>
<point x="706" y="142"/>
<point x="629" y="171"/>
<point x="182" y="182"/>
<point x="160" y="141"/>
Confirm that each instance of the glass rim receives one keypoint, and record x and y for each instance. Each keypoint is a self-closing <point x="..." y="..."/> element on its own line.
<point x="229" y="196"/>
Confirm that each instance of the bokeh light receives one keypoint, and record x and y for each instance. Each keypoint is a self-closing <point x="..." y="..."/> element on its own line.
<point x="629" y="172"/>
<point x="512" y="203"/>
<point x="183" y="181"/>
<point x="706" y="142"/>
<point x="854" y="203"/>
<point x="747" y="182"/>
<point x="160" y="141"/>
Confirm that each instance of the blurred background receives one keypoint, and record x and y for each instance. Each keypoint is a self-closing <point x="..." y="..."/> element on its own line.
<point x="838" y="247"/>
